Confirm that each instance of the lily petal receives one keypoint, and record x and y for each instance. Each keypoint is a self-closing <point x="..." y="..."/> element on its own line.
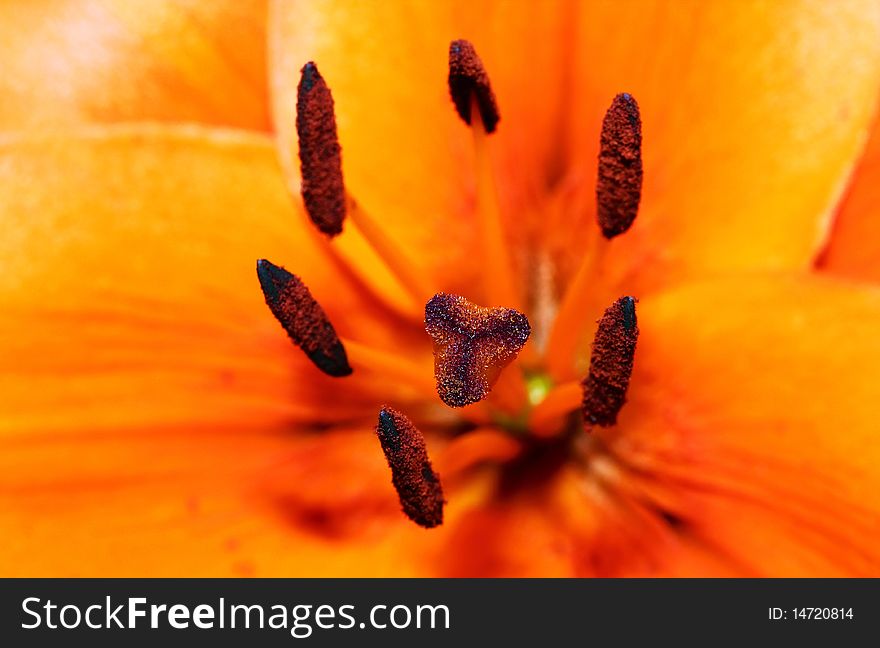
<point x="110" y="60"/>
<point x="187" y="501"/>
<point x="769" y="454"/>
<point x="569" y="524"/>
<point x="130" y="294"/>
<point x="753" y="116"/>
<point x="407" y="157"/>
<point x="854" y="246"/>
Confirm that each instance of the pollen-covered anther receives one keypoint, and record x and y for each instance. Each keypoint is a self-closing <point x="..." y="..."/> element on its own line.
<point x="414" y="479"/>
<point x="303" y="318"/>
<point x="469" y="84"/>
<point x="619" y="184"/>
<point x="472" y="344"/>
<point x="611" y="363"/>
<point x="320" y="156"/>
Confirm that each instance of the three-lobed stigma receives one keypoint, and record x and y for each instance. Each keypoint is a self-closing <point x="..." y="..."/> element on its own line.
<point x="472" y="344"/>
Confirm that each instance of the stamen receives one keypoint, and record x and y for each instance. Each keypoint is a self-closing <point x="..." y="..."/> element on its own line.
<point x="414" y="479"/>
<point x="611" y="363"/>
<point x="618" y="192"/>
<point x="468" y="79"/>
<point x="475" y="102"/>
<point x="320" y="158"/>
<point x="323" y="188"/>
<point x="396" y="258"/>
<point x="380" y="364"/>
<point x="303" y="318"/>
<point x="619" y="186"/>
<point x="472" y="345"/>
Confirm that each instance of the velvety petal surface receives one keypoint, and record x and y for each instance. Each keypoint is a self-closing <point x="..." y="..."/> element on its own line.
<point x="192" y="501"/>
<point x="105" y="61"/>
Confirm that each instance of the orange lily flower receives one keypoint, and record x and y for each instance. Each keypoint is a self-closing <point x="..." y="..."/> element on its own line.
<point x="155" y="420"/>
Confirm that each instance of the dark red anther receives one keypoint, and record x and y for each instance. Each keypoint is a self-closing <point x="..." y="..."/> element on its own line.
<point x="619" y="187"/>
<point x="303" y="318"/>
<point x="323" y="190"/>
<point x="611" y="363"/>
<point x="472" y="345"/>
<point x="468" y="80"/>
<point x="417" y="485"/>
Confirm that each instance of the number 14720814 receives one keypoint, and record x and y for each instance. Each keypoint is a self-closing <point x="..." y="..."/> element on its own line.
<point x="810" y="613"/>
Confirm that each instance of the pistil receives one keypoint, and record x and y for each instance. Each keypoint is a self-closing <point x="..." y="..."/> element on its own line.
<point x="472" y="345"/>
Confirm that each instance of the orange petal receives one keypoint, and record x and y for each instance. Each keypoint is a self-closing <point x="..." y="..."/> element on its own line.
<point x="110" y="60"/>
<point x="753" y="408"/>
<point x="504" y="539"/>
<point x="130" y="294"/>
<point x="201" y="502"/>
<point x="407" y="156"/>
<point x="753" y="115"/>
<point x="854" y="247"/>
<point x="571" y="524"/>
<point x="212" y="501"/>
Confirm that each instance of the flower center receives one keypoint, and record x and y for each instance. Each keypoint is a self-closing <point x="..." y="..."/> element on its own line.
<point x="535" y="401"/>
<point x="538" y="385"/>
<point x="472" y="345"/>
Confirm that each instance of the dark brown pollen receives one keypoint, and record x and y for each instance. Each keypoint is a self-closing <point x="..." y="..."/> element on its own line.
<point x="320" y="156"/>
<point x="611" y="363"/>
<point x="472" y="345"/>
<point x="469" y="80"/>
<point x="303" y="318"/>
<point x="619" y="186"/>
<point x="415" y="481"/>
